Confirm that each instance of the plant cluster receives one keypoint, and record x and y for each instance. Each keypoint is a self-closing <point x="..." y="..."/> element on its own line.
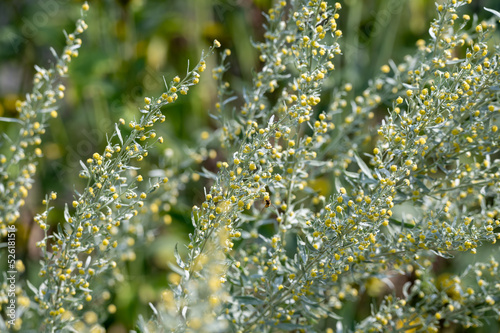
<point x="272" y="249"/>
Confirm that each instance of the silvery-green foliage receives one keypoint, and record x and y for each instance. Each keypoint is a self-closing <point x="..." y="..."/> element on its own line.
<point x="435" y="154"/>
<point x="269" y="252"/>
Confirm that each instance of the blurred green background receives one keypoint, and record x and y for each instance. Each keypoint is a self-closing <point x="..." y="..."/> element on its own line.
<point x="127" y="49"/>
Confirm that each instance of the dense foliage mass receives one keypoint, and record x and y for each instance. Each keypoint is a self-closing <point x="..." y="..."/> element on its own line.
<point x="272" y="247"/>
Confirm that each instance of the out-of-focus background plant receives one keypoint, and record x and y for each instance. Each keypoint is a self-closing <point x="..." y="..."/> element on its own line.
<point x="129" y="46"/>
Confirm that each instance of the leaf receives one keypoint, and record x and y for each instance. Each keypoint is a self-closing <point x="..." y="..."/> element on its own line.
<point x="444" y="255"/>
<point x="129" y="167"/>
<point x="87" y="262"/>
<point x="39" y="69"/>
<point x="270" y="121"/>
<point x="432" y="34"/>
<point x="408" y="86"/>
<point x="153" y="308"/>
<point x="141" y="326"/>
<point x="492" y="11"/>
<point x="455" y="61"/>
<point x="54" y="53"/>
<point x="302" y="250"/>
<point x="70" y="328"/>
<point x="176" y="269"/>
<point x="350" y="174"/>
<point x="184" y="312"/>
<point x="401" y="223"/>
<point x="308" y="301"/>
<point x="6" y="137"/>
<point x="118" y="132"/>
<point x="391" y="81"/>
<point x="229" y="100"/>
<point x="264" y="238"/>
<point x="208" y="174"/>
<point x="362" y="165"/>
<point x="11" y="120"/>
<point x="33" y="288"/>
<point x="421" y="185"/>
<point x="406" y="289"/>
<point x="249" y="300"/>
<point x="47" y="110"/>
<point x="338" y="184"/>
<point x="394" y="67"/>
<point x="59" y="230"/>
<point x="67" y="216"/>
<point x="213" y="116"/>
<point x="178" y="258"/>
<point x="84" y="167"/>
<point x="193" y="220"/>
